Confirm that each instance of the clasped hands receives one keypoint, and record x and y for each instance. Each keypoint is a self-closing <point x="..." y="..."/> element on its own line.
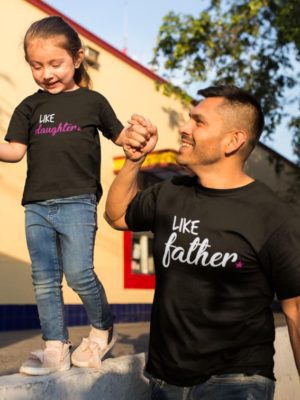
<point x="140" y="138"/>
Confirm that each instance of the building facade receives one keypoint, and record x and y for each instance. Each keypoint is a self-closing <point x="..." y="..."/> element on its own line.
<point x="123" y="261"/>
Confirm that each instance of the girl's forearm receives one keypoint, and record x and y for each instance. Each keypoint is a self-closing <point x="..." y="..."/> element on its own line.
<point x="12" y="151"/>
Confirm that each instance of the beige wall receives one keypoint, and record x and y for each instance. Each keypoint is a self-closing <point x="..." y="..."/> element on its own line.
<point x="129" y="91"/>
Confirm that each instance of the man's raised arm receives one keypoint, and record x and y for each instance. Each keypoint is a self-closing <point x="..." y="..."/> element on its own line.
<point x="124" y="186"/>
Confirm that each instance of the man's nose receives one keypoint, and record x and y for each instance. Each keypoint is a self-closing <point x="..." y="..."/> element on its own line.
<point x="185" y="127"/>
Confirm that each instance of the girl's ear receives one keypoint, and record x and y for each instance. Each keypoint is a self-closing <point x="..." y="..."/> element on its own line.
<point x="79" y="58"/>
<point x="236" y="139"/>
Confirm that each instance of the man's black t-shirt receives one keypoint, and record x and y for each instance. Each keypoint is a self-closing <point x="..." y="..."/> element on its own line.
<point x="220" y="256"/>
<point x="61" y="132"/>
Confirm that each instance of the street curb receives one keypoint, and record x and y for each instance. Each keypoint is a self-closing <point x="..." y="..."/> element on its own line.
<point x="288" y="383"/>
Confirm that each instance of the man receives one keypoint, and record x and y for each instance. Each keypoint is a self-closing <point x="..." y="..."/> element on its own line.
<point x="223" y="246"/>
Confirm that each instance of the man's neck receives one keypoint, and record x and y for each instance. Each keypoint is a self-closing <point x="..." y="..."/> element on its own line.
<point x="222" y="178"/>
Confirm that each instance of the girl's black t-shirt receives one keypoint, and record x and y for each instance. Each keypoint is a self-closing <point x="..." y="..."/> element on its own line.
<point x="61" y="132"/>
<point x="220" y="257"/>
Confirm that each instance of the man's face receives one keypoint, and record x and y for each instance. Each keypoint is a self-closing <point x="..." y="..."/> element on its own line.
<point x="203" y="135"/>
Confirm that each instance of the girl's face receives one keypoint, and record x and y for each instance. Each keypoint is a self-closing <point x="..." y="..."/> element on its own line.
<point x="51" y="65"/>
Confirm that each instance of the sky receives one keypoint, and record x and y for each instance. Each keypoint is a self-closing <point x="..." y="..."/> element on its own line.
<point x="134" y="24"/>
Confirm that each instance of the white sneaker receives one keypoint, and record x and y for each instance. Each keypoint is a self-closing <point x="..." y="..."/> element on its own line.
<point x="55" y="357"/>
<point x="93" y="348"/>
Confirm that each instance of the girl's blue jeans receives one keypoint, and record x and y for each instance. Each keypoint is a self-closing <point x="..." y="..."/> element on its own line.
<point x="217" y="387"/>
<point x="60" y="236"/>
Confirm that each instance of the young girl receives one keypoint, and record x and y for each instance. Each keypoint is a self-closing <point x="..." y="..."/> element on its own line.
<point x="58" y="128"/>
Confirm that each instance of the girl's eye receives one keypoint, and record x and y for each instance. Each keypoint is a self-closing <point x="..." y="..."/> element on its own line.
<point x="36" y="67"/>
<point x="56" y="63"/>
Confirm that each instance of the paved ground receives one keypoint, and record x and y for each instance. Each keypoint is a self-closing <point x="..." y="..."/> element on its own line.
<point x="133" y="338"/>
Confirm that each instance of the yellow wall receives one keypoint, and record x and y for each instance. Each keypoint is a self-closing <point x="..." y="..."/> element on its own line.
<point x="128" y="90"/>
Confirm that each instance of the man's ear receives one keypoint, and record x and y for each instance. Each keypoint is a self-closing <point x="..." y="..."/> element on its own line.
<point x="79" y="58"/>
<point x="236" y="139"/>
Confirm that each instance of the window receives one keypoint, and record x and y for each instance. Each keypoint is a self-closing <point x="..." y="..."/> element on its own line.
<point x="138" y="261"/>
<point x="142" y="256"/>
<point x="91" y="57"/>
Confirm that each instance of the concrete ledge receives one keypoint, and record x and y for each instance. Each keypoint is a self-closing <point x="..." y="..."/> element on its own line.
<point x="122" y="379"/>
<point x="288" y="383"/>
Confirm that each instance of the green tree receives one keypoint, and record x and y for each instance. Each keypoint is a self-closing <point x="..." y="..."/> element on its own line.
<point x="254" y="44"/>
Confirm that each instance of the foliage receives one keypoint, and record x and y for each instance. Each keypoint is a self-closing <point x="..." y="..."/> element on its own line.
<point x="254" y="44"/>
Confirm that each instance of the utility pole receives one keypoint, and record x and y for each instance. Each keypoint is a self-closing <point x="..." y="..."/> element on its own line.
<point x="125" y="26"/>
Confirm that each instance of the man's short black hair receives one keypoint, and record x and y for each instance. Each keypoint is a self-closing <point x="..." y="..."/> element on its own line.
<point x="237" y="96"/>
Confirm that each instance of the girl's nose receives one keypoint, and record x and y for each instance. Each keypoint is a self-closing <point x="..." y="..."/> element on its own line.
<point x="48" y="74"/>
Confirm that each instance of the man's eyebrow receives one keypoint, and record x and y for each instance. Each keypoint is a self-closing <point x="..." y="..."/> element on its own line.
<point x="197" y="117"/>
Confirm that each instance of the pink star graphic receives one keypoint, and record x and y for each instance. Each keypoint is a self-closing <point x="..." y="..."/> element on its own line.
<point x="239" y="264"/>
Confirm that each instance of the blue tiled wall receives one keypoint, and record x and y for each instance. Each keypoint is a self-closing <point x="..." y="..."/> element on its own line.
<point x="17" y="317"/>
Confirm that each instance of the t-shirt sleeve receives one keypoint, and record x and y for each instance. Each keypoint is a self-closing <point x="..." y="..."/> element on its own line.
<point x="140" y="215"/>
<point x="281" y="256"/>
<point x="19" y="126"/>
<point x="109" y="124"/>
